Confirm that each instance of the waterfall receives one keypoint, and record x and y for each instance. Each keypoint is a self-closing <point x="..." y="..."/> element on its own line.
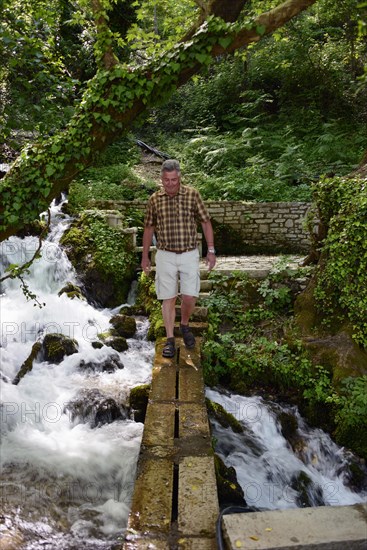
<point x="272" y="474"/>
<point x="65" y="484"/>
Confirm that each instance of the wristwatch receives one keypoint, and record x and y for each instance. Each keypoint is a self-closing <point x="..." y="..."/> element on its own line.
<point x="211" y="250"/>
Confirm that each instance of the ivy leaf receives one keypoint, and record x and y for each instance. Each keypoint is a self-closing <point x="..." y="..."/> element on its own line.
<point x="201" y="57"/>
<point x="55" y="148"/>
<point x="50" y="170"/>
<point x="225" y="41"/>
<point x="260" y="29"/>
<point x="106" y="118"/>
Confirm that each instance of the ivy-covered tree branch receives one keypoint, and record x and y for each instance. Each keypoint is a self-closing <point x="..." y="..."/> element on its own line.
<point x="114" y="98"/>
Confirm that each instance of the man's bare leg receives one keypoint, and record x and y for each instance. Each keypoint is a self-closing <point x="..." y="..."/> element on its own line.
<point x="169" y="314"/>
<point x="187" y="308"/>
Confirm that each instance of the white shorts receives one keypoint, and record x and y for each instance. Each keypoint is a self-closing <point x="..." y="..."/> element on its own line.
<point x="170" y="267"/>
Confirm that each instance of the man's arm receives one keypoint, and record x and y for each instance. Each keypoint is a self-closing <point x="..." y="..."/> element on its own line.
<point x="209" y="237"/>
<point x="147" y="241"/>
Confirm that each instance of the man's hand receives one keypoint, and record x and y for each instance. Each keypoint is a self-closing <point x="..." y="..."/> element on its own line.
<point x="211" y="260"/>
<point x="146" y="265"/>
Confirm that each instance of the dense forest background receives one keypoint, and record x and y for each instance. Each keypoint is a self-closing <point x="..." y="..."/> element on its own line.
<point x="263" y="124"/>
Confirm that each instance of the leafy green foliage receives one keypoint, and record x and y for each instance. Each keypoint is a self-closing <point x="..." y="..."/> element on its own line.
<point x="352" y="414"/>
<point x="243" y="348"/>
<point x="296" y="110"/>
<point x="146" y="300"/>
<point x="115" y="182"/>
<point x="106" y="103"/>
<point x="92" y="242"/>
<point x="341" y="289"/>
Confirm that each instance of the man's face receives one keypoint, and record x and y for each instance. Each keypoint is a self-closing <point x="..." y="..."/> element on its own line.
<point x="171" y="182"/>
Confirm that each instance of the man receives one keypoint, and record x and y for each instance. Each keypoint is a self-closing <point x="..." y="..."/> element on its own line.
<point x="172" y="215"/>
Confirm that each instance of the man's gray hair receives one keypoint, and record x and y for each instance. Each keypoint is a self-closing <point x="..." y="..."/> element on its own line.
<point x="170" y="165"/>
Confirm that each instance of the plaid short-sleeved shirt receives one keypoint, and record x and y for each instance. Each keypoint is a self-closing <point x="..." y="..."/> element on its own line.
<point x="175" y="218"/>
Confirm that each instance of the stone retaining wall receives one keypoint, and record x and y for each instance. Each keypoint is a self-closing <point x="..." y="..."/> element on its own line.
<point x="245" y="227"/>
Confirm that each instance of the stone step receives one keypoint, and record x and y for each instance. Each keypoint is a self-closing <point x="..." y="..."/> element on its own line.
<point x="318" y="528"/>
<point x="205" y="285"/>
<point x="199" y="314"/>
<point x="197" y="328"/>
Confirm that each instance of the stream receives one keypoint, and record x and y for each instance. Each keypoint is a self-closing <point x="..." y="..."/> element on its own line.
<point x="310" y="470"/>
<point x="64" y="483"/>
<point x="67" y="481"/>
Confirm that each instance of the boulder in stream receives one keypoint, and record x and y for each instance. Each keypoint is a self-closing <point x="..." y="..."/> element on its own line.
<point x="139" y="401"/>
<point x="110" y="364"/>
<point x="72" y="291"/>
<point x="123" y="325"/>
<point x="230" y="492"/>
<point x="96" y="408"/>
<point x="28" y="363"/>
<point x="55" y="346"/>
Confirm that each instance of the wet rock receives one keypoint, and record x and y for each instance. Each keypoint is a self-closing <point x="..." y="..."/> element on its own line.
<point x="230" y="491"/>
<point x="356" y="476"/>
<point x="92" y="406"/>
<point x="118" y="343"/>
<point x="56" y="346"/>
<point x="28" y="363"/>
<point x="289" y="427"/>
<point x="139" y="401"/>
<point x="224" y="418"/>
<point x="309" y="494"/>
<point x="72" y="291"/>
<point x="110" y="364"/>
<point x="123" y="325"/>
<point x="97" y="345"/>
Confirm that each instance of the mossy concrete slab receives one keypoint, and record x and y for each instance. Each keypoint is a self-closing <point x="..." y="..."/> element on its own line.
<point x="160" y="361"/>
<point x="193" y="420"/>
<point x="159" y="424"/>
<point x="163" y="386"/>
<point x="137" y="543"/>
<point x="196" y="543"/>
<point x="151" y="506"/>
<point x="317" y="528"/>
<point x="197" y="497"/>
<point x="191" y="385"/>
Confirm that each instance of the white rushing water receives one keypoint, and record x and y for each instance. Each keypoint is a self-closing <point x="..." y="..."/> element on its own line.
<point x="266" y="465"/>
<point x="64" y="484"/>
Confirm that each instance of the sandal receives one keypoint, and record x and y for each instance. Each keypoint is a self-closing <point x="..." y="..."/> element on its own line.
<point x="169" y="348"/>
<point x="187" y="336"/>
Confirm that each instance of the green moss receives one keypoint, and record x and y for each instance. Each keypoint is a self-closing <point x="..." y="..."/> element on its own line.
<point x="147" y="301"/>
<point x="71" y="290"/>
<point x="229" y="490"/>
<point x="139" y="401"/>
<point x="28" y="363"/>
<point x="224" y="418"/>
<point x="103" y="256"/>
<point x="56" y="346"/>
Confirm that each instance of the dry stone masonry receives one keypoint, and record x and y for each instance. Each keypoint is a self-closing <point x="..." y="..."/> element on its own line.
<point x="277" y="227"/>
